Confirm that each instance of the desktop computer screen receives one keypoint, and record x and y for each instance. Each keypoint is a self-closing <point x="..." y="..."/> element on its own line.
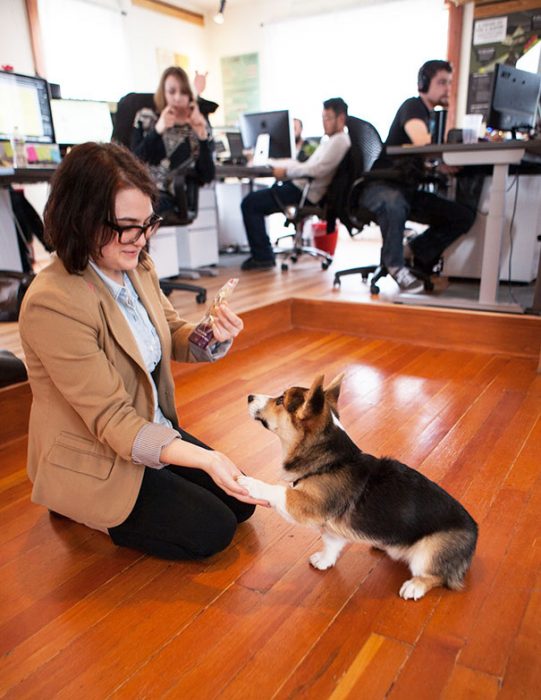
<point x="515" y="99"/>
<point x="78" y="121"/>
<point x="277" y="126"/>
<point x="25" y="107"/>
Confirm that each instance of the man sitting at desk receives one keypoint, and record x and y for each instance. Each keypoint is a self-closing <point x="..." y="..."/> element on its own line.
<point x="398" y="199"/>
<point x="321" y="166"/>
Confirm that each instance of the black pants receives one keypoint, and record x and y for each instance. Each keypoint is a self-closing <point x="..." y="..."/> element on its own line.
<point x="393" y="205"/>
<point x="256" y="206"/>
<point x="181" y="513"/>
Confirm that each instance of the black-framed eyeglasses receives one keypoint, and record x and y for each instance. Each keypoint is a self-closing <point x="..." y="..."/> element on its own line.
<point x="133" y="232"/>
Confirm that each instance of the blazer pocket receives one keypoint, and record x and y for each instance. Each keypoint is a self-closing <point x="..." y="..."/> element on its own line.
<point x="77" y="454"/>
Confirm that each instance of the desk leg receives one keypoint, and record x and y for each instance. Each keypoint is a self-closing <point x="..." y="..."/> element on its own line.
<point x="490" y="267"/>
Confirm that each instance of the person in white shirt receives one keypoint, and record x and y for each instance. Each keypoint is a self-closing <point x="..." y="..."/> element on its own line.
<point x="321" y="166"/>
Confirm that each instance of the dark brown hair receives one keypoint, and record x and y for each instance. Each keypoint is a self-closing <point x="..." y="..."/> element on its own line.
<point x="181" y="75"/>
<point x="82" y="199"/>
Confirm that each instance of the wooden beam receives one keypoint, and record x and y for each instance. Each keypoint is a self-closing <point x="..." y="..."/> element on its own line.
<point x="32" y="15"/>
<point x="454" y="41"/>
<point x="171" y="10"/>
<point x="507" y="7"/>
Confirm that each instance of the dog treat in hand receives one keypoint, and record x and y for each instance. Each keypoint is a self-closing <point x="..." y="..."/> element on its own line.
<point x="202" y="334"/>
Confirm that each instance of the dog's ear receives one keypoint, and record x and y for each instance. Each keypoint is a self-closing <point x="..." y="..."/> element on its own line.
<point x="332" y="392"/>
<point x="315" y="399"/>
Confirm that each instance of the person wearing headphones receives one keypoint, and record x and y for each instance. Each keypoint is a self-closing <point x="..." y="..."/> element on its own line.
<point x="397" y="197"/>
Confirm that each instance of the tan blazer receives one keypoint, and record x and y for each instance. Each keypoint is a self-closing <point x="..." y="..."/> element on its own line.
<point x="91" y="391"/>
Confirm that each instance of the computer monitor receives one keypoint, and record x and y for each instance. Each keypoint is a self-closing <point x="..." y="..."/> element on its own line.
<point x="515" y="99"/>
<point x="25" y="107"/>
<point x="276" y="126"/>
<point x="78" y="121"/>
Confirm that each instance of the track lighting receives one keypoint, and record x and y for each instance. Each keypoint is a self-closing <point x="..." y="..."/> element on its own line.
<point x="219" y="16"/>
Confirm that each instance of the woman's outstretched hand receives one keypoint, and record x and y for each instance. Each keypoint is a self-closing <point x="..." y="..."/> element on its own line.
<point x="224" y="473"/>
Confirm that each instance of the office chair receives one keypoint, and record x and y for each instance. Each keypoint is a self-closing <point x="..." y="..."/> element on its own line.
<point x="185" y="187"/>
<point x="365" y="148"/>
<point x="354" y="215"/>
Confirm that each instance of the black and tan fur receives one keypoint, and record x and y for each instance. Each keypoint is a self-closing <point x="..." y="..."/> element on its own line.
<point x="353" y="496"/>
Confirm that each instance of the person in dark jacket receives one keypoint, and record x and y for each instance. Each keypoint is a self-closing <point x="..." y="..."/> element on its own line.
<point x="173" y="138"/>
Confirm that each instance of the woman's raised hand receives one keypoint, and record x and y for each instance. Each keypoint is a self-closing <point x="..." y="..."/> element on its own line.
<point x="226" y="325"/>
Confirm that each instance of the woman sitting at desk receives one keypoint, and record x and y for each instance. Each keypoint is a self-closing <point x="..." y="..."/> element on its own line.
<point x="173" y="138"/>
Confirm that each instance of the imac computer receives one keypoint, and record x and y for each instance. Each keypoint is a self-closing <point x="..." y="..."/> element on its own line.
<point x="515" y="99"/>
<point x="270" y="134"/>
<point x="25" y="108"/>
<point x="78" y="121"/>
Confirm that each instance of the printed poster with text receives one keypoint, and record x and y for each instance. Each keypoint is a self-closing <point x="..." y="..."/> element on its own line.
<point x="240" y="78"/>
<point x="502" y="39"/>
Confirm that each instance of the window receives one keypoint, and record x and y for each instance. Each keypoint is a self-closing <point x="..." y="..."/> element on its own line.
<point x="369" y="56"/>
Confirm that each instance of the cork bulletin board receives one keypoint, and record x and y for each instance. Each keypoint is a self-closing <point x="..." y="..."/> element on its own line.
<point x="498" y="39"/>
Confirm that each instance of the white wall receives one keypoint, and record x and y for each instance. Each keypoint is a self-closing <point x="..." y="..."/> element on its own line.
<point x="15" y="48"/>
<point x="147" y="31"/>
<point x="366" y="52"/>
<point x="285" y="63"/>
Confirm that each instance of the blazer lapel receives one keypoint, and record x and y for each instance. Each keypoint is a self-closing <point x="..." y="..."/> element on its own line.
<point x="118" y="326"/>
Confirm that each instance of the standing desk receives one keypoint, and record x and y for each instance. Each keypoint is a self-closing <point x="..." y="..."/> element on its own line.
<point x="500" y="155"/>
<point x="233" y="183"/>
<point x="10" y="258"/>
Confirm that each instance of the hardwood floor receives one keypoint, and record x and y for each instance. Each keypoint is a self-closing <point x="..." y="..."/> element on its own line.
<point x="459" y="399"/>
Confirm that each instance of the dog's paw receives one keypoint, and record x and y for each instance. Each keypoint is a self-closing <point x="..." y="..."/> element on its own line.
<point x="256" y="488"/>
<point x="322" y="561"/>
<point x="413" y="589"/>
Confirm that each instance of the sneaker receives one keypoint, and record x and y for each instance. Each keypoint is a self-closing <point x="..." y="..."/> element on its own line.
<point x="406" y="280"/>
<point x="255" y="264"/>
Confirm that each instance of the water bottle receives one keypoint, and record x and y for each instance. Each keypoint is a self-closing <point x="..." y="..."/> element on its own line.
<point x="19" y="150"/>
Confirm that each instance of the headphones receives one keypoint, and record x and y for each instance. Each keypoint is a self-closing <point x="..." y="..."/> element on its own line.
<point x="428" y="70"/>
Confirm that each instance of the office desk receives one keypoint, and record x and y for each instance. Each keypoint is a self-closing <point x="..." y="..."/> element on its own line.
<point x="500" y="155"/>
<point x="233" y="183"/>
<point x="10" y="258"/>
<point x="249" y="172"/>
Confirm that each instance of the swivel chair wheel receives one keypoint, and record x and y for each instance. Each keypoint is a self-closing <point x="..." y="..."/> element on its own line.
<point x="336" y="281"/>
<point x="293" y="258"/>
<point x="364" y="276"/>
<point x="167" y="291"/>
<point x="201" y="297"/>
<point x="374" y="289"/>
<point x="325" y="264"/>
<point x="285" y="267"/>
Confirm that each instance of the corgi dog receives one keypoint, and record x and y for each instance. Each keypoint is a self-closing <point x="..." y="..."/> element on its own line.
<point x="352" y="496"/>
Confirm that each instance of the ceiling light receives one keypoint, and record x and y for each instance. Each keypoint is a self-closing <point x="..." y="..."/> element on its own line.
<point x="219" y="16"/>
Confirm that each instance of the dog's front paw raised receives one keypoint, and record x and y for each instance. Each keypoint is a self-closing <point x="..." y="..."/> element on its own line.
<point x="256" y="488"/>
<point x="321" y="560"/>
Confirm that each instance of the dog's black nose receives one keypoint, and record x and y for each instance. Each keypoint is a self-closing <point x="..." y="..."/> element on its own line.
<point x="251" y="397"/>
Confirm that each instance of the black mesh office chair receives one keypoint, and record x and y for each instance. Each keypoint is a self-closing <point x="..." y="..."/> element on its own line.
<point x="365" y="148"/>
<point x="356" y="216"/>
<point x="185" y="187"/>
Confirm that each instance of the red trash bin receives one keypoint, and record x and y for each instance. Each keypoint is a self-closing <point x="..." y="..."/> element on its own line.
<point x="323" y="240"/>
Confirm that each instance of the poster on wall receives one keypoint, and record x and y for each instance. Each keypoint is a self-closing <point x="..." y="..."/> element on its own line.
<point x="495" y="40"/>
<point x="240" y="78"/>
<point x="166" y="58"/>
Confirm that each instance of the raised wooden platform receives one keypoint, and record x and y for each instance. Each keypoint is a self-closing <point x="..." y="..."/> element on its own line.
<point x="497" y="334"/>
<point x="82" y="618"/>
